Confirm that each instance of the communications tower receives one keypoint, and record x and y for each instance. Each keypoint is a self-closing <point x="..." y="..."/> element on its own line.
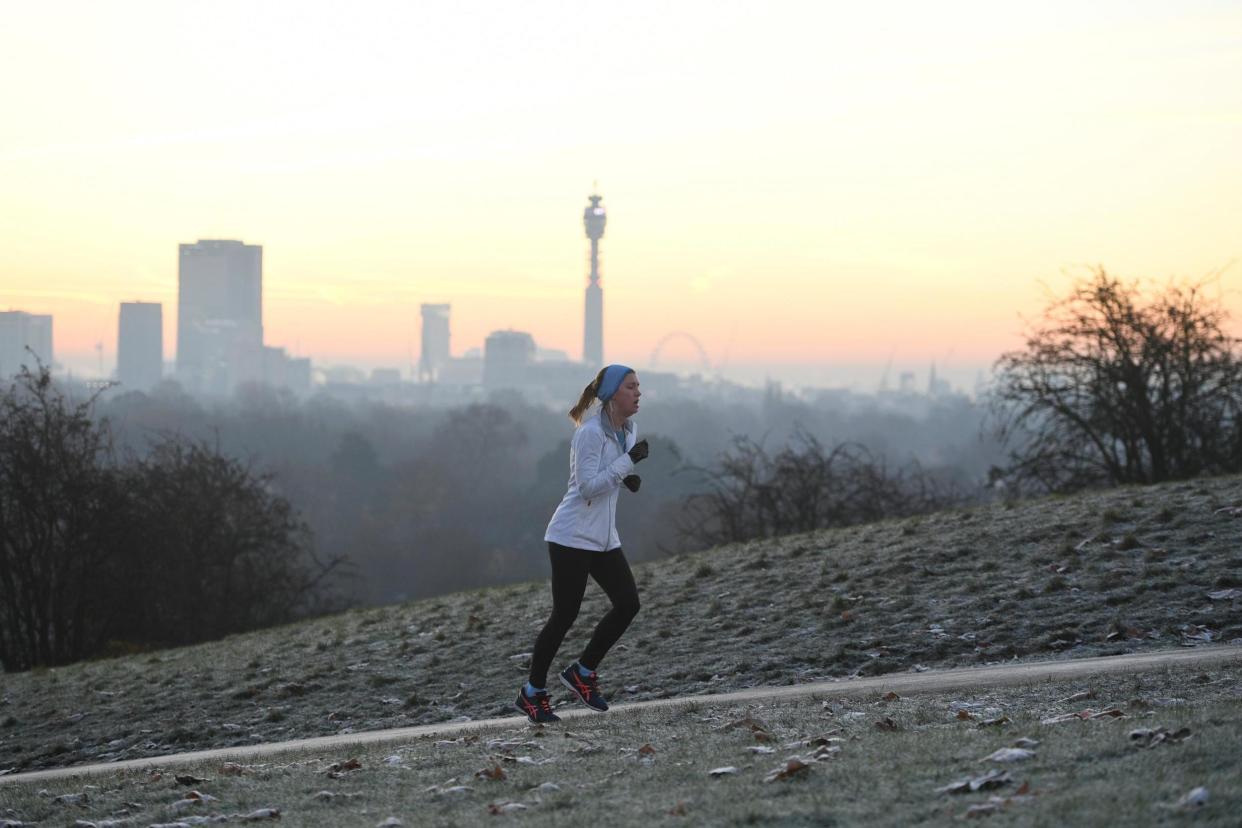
<point x="593" y="218"/>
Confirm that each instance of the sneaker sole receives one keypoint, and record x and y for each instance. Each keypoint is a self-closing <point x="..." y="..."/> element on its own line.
<point x="578" y="696"/>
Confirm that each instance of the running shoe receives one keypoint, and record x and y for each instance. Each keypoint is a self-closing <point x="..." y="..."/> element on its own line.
<point x="537" y="708"/>
<point x="585" y="688"/>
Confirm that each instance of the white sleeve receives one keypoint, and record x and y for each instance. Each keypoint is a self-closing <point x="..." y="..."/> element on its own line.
<point x="592" y="480"/>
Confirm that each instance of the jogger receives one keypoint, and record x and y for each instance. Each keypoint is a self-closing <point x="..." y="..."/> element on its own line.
<point x="583" y="542"/>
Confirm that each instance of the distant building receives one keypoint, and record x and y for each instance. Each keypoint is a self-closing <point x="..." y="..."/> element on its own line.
<point x="435" y="342"/>
<point x="507" y="357"/>
<point x="18" y="331"/>
<point x="385" y="376"/>
<point x="140" y="345"/>
<point x="283" y="371"/>
<point x="219" y="315"/>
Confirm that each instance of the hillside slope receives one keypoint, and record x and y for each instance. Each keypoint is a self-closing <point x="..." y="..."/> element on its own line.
<point x="1107" y="572"/>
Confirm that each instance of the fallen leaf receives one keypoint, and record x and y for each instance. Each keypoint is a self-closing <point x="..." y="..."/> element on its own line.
<point x="232" y="769"/>
<point x="1023" y="789"/>
<point x="495" y="773"/>
<point x="890" y="696"/>
<point x="1026" y="743"/>
<point x="187" y="779"/>
<point x="261" y="813"/>
<point x="1077" y="697"/>
<point x="991" y="779"/>
<point x="646" y="750"/>
<point x="1009" y="755"/>
<point x="678" y="810"/>
<point x="761" y="750"/>
<point x="981" y="810"/>
<point x="1149" y="738"/>
<point x="1195" y="798"/>
<point x="391" y="822"/>
<point x="1225" y="594"/>
<point x="964" y="715"/>
<point x="506" y="808"/>
<point x="791" y="768"/>
<point x="999" y="720"/>
<point x="887" y="724"/>
<point x="728" y="770"/>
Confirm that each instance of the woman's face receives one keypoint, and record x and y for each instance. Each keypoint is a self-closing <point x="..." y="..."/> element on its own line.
<point x="625" y="401"/>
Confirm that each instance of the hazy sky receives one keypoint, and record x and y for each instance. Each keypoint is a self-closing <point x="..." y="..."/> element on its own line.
<point x="793" y="183"/>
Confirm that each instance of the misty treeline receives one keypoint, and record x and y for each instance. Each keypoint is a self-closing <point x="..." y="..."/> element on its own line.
<point x="425" y="501"/>
<point x="1116" y="386"/>
<point x="102" y="550"/>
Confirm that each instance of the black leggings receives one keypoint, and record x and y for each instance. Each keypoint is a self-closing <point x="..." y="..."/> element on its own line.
<point x="570" y="568"/>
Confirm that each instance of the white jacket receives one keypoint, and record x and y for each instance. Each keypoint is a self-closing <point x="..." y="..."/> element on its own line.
<point x="587" y="515"/>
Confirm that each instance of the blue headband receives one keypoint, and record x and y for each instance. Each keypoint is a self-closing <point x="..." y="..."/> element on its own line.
<point x="613" y="375"/>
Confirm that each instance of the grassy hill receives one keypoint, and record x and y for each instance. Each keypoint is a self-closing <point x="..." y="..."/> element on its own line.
<point x="1109" y="572"/>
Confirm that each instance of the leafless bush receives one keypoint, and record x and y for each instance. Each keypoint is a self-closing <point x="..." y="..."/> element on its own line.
<point x="802" y="487"/>
<point x="1114" y="388"/>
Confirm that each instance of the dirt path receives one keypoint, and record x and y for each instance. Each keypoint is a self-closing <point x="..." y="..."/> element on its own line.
<point x="932" y="681"/>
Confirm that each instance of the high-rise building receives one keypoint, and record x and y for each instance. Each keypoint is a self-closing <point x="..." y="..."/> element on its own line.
<point x="593" y="217"/>
<point x="18" y="331"/>
<point x="435" y="342"/>
<point x="507" y="356"/>
<point x="140" y="345"/>
<point x="219" y="315"/>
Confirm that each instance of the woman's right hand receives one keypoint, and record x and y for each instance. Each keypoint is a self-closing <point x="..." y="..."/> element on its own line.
<point x="639" y="452"/>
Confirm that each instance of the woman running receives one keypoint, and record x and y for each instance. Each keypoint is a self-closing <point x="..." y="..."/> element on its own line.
<point x="582" y="540"/>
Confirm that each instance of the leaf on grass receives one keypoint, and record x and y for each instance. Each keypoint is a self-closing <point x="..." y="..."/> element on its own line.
<point x="187" y="779"/>
<point x="760" y="750"/>
<point x="964" y="715"/>
<point x="1026" y="743"/>
<point x="1009" y="755"/>
<point x="646" y="750"/>
<point x="1225" y="594"/>
<point x="887" y="724"/>
<point x="1023" y="789"/>
<point x="791" y="768"/>
<point x="989" y="780"/>
<point x="890" y="696"/>
<point x="1149" y="738"/>
<point x="232" y="769"/>
<point x="728" y="770"/>
<point x="506" y="808"/>
<point x="260" y="814"/>
<point x="999" y="720"/>
<point x="1194" y="798"/>
<point x="1077" y="697"/>
<point x="679" y="809"/>
<point x="338" y="769"/>
<point x="495" y="773"/>
<point x="391" y="822"/>
<point x="757" y="728"/>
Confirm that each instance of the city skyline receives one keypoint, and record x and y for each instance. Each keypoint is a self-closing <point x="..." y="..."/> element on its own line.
<point x="801" y="187"/>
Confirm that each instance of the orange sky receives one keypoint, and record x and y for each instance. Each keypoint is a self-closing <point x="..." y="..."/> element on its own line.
<point x="789" y="182"/>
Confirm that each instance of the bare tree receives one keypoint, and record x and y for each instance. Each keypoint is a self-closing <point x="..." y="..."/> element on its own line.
<point x="803" y="487"/>
<point x="1113" y="387"/>
<point x="57" y="533"/>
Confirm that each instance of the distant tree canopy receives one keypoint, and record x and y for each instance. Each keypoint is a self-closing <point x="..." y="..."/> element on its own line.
<point x="1114" y="387"/>
<point x="181" y="546"/>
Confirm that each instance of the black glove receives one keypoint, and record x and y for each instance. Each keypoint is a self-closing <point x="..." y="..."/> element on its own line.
<point x="632" y="482"/>
<point x="639" y="452"/>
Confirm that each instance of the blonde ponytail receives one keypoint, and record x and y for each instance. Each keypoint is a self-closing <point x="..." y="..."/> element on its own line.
<point x="587" y="399"/>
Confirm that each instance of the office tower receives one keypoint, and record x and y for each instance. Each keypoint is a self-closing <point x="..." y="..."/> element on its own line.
<point x="507" y="357"/>
<point x="435" y="347"/>
<point x="593" y="218"/>
<point x="219" y="315"/>
<point x="18" y="331"/>
<point x="140" y="345"/>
